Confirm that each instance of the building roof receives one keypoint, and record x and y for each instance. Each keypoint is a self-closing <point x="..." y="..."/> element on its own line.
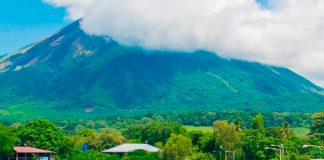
<point x="125" y="148"/>
<point x="30" y="150"/>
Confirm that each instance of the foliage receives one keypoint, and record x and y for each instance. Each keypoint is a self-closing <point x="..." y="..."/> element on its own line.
<point x="258" y="123"/>
<point x="206" y="119"/>
<point x="317" y="129"/>
<point x="202" y="156"/>
<point x="91" y="155"/>
<point x="295" y="156"/>
<point x="43" y="134"/>
<point x="138" y="152"/>
<point x="286" y="132"/>
<point x="227" y="135"/>
<point x="195" y="136"/>
<point x="282" y="132"/>
<point x="85" y="76"/>
<point x="7" y="141"/>
<point x="177" y="147"/>
<point x="207" y="143"/>
<point x="254" y="143"/>
<point x="154" y="132"/>
<point x="141" y="155"/>
<point x="172" y="138"/>
<point x="99" y="141"/>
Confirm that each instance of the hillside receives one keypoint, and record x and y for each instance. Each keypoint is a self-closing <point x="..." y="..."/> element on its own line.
<point x="72" y="74"/>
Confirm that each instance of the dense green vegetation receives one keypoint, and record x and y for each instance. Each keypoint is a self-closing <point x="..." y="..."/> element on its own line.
<point x="7" y="141"/>
<point x="177" y="143"/>
<point x="185" y="118"/>
<point x="72" y="75"/>
<point x="92" y="90"/>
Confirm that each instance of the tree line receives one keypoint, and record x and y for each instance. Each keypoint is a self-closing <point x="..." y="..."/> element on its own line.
<point x="229" y="139"/>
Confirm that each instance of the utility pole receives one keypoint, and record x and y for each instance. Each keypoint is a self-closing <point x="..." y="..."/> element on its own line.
<point x="281" y="147"/>
<point x="220" y="152"/>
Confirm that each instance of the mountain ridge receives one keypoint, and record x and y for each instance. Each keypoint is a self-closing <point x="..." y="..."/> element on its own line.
<point x="72" y="73"/>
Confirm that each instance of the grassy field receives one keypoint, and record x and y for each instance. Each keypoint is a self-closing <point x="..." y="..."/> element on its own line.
<point x="301" y="132"/>
<point x="205" y="129"/>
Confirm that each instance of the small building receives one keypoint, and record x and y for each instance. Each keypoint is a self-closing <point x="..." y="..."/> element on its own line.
<point x="28" y="153"/>
<point x="127" y="148"/>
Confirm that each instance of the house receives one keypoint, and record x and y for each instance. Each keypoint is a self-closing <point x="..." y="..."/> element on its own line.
<point x="126" y="148"/>
<point x="28" y="153"/>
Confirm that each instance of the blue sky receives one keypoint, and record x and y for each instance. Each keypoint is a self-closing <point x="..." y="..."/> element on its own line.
<point x="263" y="2"/>
<point x="25" y="21"/>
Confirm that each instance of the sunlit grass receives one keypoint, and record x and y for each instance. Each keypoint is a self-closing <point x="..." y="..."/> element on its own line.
<point x="205" y="129"/>
<point x="301" y="131"/>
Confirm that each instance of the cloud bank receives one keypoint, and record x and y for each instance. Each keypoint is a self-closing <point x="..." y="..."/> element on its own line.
<point x="287" y="33"/>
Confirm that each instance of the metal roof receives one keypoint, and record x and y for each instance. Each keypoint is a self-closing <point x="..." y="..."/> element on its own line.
<point x="125" y="148"/>
<point x="30" y="150"/>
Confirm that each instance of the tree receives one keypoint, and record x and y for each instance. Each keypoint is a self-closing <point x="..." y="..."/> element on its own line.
<point x="317" y="129"/>
<point x="207" y="143"/>
<point x="89" y="137"/>
<point x="195" y="136"/>
<point x="254" y="143"/>
<point x="258" y="123"/>
<point x="238" y="123"/>
<point x="177" y="147"/>
<point x="295" y="156"/>
<point x="45" y="135"/>
<point x="155" y="132"/>
<point x="100" y="141"/>
<point x="227" y="135"/>
<point x="109" y="140"/>
<point x="7" y="141"/>
<point x="202" y="156"/>
<point x="286" y="131"/>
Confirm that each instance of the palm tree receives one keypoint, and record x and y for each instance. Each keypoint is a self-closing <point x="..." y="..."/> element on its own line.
<point x="285" y="131"/>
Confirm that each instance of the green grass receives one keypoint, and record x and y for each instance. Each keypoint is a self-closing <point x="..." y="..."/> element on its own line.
<point x="205" y="129"/>
<point x="301" y="132"/>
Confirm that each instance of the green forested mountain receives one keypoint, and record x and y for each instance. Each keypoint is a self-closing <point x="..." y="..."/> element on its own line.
<point x="72" y="74"/>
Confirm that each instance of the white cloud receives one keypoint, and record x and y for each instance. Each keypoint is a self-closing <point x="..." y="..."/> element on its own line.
<point x="75" y="8"/>
<point x="290" y="34"/>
